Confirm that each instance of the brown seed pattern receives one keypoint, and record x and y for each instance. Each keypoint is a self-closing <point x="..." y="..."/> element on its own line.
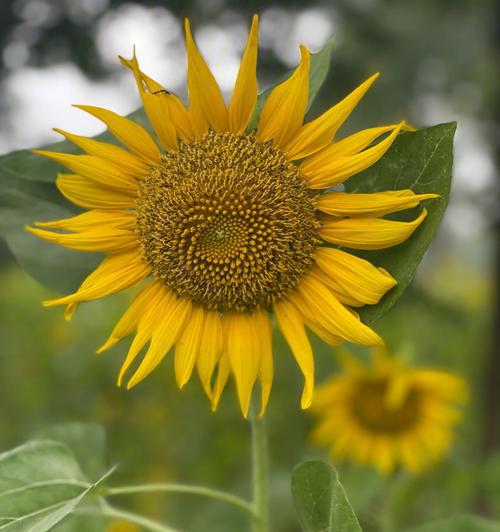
<point x="227" y="222"/>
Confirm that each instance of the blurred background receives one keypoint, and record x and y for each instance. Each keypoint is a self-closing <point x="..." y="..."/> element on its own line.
<point x="439" y="62"/>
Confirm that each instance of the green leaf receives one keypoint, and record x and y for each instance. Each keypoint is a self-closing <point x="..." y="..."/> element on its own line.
<point x="320" y="64"/>
<point x="41" y="483"/>
<point x="422" y="161"/>
<point x="459" y="523"/>
<point x="320" y="500"/>
<point x="87" y="441"/>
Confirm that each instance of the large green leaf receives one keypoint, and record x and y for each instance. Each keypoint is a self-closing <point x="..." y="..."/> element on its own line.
<point x="41" y="483"/>
<point x="320" y="500"/>
<point x="422" y="161"/>
<point x="459" y="523"/>
<point x="320" y="64"/>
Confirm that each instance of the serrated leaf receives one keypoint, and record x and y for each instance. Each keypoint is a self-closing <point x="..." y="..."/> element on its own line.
<point x="320" y="500"/>
<point x="320" y="65"/>
<point x="422" y="161"/>
<point x="459" y="523"/>
<point x="41" y="484"/>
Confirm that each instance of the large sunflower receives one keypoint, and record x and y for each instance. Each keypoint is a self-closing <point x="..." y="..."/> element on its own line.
<point x="388" y="414"/>
<point x="230" y="225"/>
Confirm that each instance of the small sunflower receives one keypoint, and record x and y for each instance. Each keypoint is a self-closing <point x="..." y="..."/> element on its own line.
<point x="388" y="414"/>
<point x="226" y="225"/>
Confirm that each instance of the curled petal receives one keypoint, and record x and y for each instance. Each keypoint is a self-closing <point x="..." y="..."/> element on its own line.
<point x="369" y="233"/>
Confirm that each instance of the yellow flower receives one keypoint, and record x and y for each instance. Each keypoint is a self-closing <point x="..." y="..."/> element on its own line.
<point x="388" y="414"/>
<point x="229" y="225"/>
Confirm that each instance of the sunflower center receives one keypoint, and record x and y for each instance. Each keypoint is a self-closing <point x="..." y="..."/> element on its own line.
<point x="372" y="410"/>
<point x="227" y="222"/>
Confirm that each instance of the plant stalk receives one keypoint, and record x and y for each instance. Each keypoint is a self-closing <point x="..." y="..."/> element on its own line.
<point x="260" y="473"/>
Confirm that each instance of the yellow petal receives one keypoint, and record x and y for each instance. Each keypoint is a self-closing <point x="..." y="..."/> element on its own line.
<point x="383" y="457"/>
<point x="373" y="204"/>
<point x="179" y="114"/>
<point x="220" y="382"/>
<point x="128" y="322"/>
<point x="319" y="330"/>
<point x="212" y="342"/>
<point x="115" y="273"/>
<point x="160" y="300"/>
<point x="96" y="169"/>
<point x="409" y="456"/>
<point x="323" y="170"/>
<point x="361" y="140"/>
<point x="332" y="315"/>
<point x="292" y="328"/>
<point x="156" y="105"/>
<point x="204" y="93"/>
<point x="188" y="346"/>
<point x="90" y="195"/>
<point x="124" y="160"/>
<point x="181" y="118"/>
<point x="358" y="277"/>
<point x="318" y="325"/>
<point x="338" y="289"/>
<point x="284" y="109"/>
<point x="263" y="334"/>
<point x="245" y="91"/>
<point x="128" y="132"/>
<point x="318" y="133"/>
<point x="169" y="325"/>
<point x="243" y="354"/>
<point x="93" y="219"/>
<point x="107" y="239"/>
<point x="369" y="233"/>
<point x="69" y="311"/>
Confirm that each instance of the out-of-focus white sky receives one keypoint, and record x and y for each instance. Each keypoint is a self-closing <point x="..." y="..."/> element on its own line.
<point x="38" y="99"/>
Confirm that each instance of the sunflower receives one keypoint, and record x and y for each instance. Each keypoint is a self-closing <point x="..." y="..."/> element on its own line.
<point x="388" y="414"/>
<point x="224" y="226"/>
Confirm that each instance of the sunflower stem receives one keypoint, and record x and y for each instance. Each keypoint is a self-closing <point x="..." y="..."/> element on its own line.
<point x="259" y="472"/>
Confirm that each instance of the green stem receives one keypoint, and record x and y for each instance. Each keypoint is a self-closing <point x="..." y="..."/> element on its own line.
<point x="260" y="472"/>
<point x="180" y="488"/>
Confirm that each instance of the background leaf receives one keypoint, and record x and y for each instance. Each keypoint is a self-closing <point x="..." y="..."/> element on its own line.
<point x="320" y="500"/>
<point x="422" y="161"/>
